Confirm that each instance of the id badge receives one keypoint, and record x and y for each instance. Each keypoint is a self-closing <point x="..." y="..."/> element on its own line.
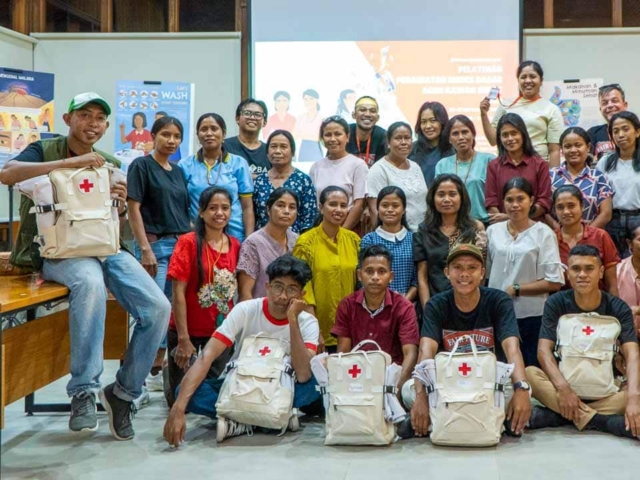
<point x="493" y="93"/>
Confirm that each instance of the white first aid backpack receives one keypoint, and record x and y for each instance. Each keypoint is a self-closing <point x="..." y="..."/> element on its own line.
<point x="467" y="412"/>
<point x="356" y="388"/>
<point x="259" y="386"/>
<point x="75" y="214"/>
<point x="585" y="346"/>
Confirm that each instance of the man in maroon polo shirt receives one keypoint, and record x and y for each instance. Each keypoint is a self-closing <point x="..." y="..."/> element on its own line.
<point x="377" y="313"/>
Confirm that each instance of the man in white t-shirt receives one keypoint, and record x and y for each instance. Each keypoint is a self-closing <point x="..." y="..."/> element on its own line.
<point x="280" y="315"/>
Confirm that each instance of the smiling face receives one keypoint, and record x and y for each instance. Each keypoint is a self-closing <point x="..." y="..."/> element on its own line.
<point x="251" y="118"/>
<point x="88" y="124"/>
<point x="517" y="204"/>
<point x="284" y="211"/>
<point x="461" y="138"/>
<point x="575" y="151"/>
<point x="335" y="140"/>
<point x="218" y="211"/>
<point x="391" y="210"/>
<point x="568" y="209"/>
<point x="400" y="142"/>
<point x="366" y="115"/>
<point x="375" y="274"/>
<point x="279" y="151"/>
<point x="511" y="138"/>
<point x="611" y="103"/>
<point x="624" y="134"/>
<point x="529" y="82"/>
<point x="210" y="134"/>
<point x="585" y="273"/>
<point x="430" y="126"/>
<point x="465" y="272"/>
<point x="447" y="198"/>
<point x="334" y="209"/>
<point x="167" y="140"/>
<point x="138" y="121"/>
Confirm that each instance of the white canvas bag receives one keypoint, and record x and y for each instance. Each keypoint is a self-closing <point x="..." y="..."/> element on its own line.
<point x="259" y="386"/>
<point x="586" y="346"/>
<point x="356" y="391"/>
<point x="466" y="411"/>
<point x="75" y="214"/>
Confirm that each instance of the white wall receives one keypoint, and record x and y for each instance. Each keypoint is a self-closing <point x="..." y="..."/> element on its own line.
<point x="607" y="53"/>
<point x="16" y="51"/>
<point x="95" y="62"/>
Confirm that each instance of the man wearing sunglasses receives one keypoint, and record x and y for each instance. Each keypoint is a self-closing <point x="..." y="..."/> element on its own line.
<point x="612" y="100"/>
<point x="279" y="315"/>
<point x="251" y="117"/>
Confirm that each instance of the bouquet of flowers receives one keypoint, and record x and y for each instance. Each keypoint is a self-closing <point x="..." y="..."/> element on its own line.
<point x="218" y="293"/>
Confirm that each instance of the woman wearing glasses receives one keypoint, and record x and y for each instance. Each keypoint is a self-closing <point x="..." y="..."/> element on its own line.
<point x="251" y="116"/>
<point x="341" y="169"/>
<point x="543" y="119"/>
<point x="212" y="165"/>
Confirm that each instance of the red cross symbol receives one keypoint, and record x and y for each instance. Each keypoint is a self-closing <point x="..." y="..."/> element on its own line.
<point x="86" y="186"/>
<point x="464" y="369"/>
<point x="354" y="371"/>
<point x="265" y="351"/>
<point x="588" y="330"/>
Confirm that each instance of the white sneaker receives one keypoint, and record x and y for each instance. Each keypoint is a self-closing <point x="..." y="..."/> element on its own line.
<point x="294" y="422"/>
<point x="155" y="383"/>
<point x="229" y="428"/>
<point x="143" y="399"/>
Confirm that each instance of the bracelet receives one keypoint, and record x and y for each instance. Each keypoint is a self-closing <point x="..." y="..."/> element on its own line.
<point x="124" y="212"/>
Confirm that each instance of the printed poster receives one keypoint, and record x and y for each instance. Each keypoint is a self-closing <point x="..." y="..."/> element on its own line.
<point x="139" y="104"/>
<point x="26" y="110"/>
<point x="577" y="100"/>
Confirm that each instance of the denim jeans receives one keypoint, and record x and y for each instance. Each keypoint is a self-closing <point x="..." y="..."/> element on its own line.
<point x="87" y="280"/>
<point x="621" y="226"/>
<point x="162" y="249"/>
<point x="203" y="401"/>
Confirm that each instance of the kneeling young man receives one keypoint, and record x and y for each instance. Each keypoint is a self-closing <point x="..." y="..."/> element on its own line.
<point x="484" y="313"/>
<point x="377" y="313"/>
<point x="619" y="413"/>
<point x="279" y="315"/>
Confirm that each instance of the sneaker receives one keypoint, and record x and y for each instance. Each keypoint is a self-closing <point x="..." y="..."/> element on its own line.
<point x="404" y="428"/>
<point x="542" y="417"/>
<point x="229" y="428"/>
<point x="614" y="424"/>
<point x="83" y="413"/>
<point x="508" y="431"/>
<point x="294" y="421"/>
<point x="120" y="413"/>
<point x="143" y="399"/>
<point x="155" y="383"/>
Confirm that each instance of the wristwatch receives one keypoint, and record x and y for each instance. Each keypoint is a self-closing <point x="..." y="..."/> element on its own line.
<point x="516" y="289"/>
<point x="522" y="385"/>
<point x="124" y="212"/>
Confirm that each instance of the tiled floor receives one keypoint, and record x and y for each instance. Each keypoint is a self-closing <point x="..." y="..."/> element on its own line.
<point x="41" y="447"/>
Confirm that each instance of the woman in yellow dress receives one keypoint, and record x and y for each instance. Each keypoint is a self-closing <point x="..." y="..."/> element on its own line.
<point x="332" y="253"/>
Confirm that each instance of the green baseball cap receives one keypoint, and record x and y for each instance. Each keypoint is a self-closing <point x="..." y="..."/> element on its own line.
<point x="86" y="98"/>
<point x="465" y="249"/>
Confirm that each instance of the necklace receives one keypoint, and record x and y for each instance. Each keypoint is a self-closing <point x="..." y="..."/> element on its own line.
<point x="212" y="267"/>
<point x="512" y="230"/>
<point x="468" y="171"/>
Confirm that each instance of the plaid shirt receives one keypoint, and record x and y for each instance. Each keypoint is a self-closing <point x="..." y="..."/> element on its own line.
<point x="592" y="183"/>
<point x="401" y="247"/>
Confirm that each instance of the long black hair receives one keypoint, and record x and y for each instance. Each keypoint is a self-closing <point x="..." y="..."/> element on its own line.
<point x="582" y="133"/>
<point x="200" y="228"/>
<point x="440" y="112"/>
<point x="393" y="190"/>
<point x="433" y="218"/>
<point x="323" y="198"/>
<point x="612" y="160"/>
<point x="277" y="194"/>
<point x="516" y="122"/>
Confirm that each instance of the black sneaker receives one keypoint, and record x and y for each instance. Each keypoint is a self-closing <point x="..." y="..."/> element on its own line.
<point x="614" y="424"/>
<point x="404" y="428"/>
<point x="542" y="417"/>
<point x="120" y="413"/>
<point x="83" y="413"/>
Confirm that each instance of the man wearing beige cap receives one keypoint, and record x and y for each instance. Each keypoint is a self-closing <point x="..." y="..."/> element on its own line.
<point x="89" y="277"/>
<point x="487" y="315"/>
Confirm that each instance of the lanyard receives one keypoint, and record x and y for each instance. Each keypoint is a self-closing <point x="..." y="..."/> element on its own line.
<point x="366" y="155"/>
<point x="518" y="98"/>
<point x="468" y="171"/>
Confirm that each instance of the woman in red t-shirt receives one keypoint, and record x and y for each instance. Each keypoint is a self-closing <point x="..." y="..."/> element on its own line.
<point x="203" y="274"/>
<point x="568" y="203"/>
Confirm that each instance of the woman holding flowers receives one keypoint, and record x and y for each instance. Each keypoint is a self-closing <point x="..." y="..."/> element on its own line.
<point x="203" y="271"/>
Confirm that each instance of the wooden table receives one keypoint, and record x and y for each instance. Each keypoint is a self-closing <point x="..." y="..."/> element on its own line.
<point x="19" y="293"/>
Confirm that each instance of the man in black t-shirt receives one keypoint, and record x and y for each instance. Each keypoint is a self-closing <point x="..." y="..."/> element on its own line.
<point x="619" y="413"/>
<point x="367" y="140"/>
<point x="487" y="315"/>
<point x="611" y="99"/>
<point x="251" y="116"/>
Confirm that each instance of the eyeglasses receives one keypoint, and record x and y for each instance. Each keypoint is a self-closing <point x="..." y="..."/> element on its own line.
<point x="278" y="288"/>
<point x="251" y="114"/>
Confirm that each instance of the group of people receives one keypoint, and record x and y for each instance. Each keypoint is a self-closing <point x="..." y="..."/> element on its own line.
<point x="408" y="243"/>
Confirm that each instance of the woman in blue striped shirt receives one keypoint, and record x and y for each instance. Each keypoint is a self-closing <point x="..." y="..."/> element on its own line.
<point x="393" y="233"/>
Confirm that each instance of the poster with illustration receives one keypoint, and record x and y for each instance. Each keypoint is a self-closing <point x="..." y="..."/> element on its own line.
<point x="139" y="104"/>
<point x="26" y="110"/>
<point x="577" y="100"/>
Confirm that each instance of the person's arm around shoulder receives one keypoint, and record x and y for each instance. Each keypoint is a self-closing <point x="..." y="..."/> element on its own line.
<point x="301" y="354"/>
<point x="176" y="425"/>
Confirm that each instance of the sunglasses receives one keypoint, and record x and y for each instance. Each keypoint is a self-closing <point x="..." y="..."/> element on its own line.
<point x="611" y="86"/>
<point x="333" y="118"/>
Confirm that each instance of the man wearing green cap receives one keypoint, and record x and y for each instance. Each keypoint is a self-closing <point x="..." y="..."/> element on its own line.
<point x="88" y="278"/>
<point x="487" y="315"/>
